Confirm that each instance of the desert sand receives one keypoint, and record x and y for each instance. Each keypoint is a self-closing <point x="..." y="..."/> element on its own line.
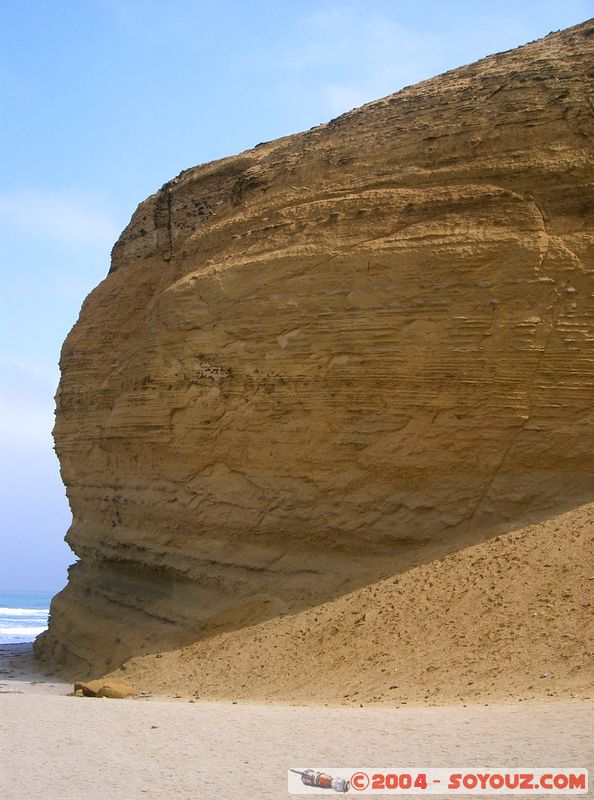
<point x="58" y="747"/>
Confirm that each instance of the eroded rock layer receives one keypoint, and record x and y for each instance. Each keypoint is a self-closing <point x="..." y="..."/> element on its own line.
<point x="333" y="356"/>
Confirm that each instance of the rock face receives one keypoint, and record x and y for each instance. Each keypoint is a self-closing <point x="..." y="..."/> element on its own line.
<point x="333" y="356"/>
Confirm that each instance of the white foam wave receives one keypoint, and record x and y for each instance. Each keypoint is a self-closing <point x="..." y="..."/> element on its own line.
<point x="22" y="631"/>
<point x="24" y="612"/>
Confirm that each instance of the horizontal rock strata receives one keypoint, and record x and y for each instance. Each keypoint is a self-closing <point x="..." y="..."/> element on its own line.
<point x="333" y="356"/>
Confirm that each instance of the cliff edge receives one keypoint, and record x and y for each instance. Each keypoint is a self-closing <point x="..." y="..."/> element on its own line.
<point x="333" y="358"/>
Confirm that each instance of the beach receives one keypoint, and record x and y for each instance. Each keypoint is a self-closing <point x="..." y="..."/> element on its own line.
<point x="304" y="294"/>
<point x="60" y="746"/>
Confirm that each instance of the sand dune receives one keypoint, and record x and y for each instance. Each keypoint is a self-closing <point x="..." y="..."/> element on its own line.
<point x="507" y="619"/>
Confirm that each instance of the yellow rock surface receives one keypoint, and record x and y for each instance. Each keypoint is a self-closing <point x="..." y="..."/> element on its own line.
<point x="334" y="357"/>
<point x="114" y="688"/>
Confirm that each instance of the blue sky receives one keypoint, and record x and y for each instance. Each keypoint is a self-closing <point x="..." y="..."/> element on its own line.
<point x="104" y="100"/>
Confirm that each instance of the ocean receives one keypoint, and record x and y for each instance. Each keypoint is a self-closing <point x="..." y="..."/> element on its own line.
<point x="23" y="615"/>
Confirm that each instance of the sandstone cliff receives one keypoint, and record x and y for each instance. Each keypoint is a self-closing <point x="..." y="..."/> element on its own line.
<point x="333" y="357"/>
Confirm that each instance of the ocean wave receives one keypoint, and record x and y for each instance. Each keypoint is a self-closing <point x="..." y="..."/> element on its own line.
<point x="24" y="612"/>
<point x="16" y="631"/>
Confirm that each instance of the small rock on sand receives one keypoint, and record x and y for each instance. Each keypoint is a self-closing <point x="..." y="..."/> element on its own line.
<point x="115" y="688"/>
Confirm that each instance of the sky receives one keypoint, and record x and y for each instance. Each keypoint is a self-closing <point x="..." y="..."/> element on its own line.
<point x="102" y="101"/>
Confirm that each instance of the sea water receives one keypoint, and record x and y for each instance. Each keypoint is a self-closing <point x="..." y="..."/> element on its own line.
<point x="23" y="615"/>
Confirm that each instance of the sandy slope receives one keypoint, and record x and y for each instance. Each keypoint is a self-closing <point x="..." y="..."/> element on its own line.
<point x="508" y="619"/>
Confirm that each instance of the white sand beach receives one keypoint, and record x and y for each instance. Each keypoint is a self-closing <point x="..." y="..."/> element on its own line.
<point x="60" y="747"/>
